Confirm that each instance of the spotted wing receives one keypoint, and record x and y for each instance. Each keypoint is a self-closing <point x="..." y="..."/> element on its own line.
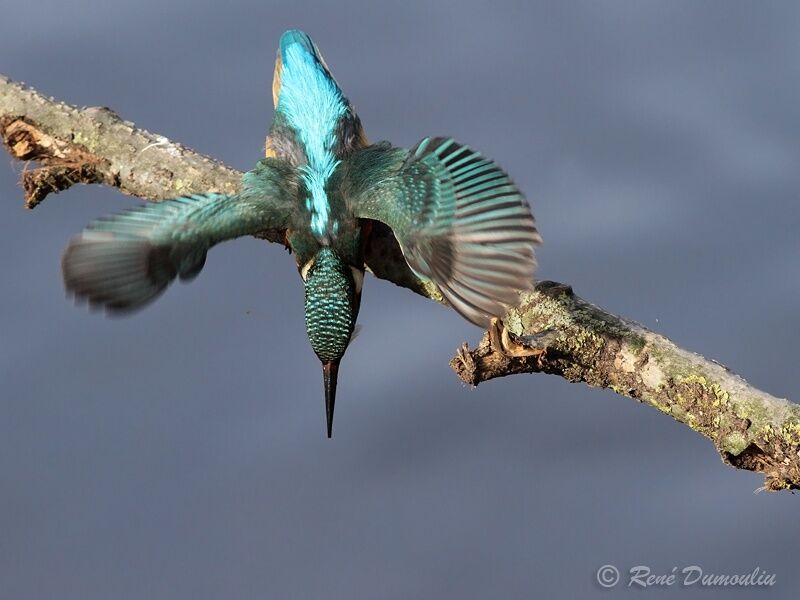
<point x="124" y="261"/>
<point x="459" y="219"/>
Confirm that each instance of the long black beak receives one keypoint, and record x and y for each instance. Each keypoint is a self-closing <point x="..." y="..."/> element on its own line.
<point x="330" y="372"/>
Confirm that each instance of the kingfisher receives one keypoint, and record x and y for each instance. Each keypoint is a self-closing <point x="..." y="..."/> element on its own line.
<point x="462" y="225"/>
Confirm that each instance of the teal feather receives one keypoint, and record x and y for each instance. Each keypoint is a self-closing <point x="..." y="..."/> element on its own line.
<point x="124" y="261"/>
<point x="330" y="300"/>
<point x="460" y="221"/>
<point x="313" y="105"/>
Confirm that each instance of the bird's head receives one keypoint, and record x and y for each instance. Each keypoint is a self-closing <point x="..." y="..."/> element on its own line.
<point x="333" y="295"/>
<point x="309" y="99"/>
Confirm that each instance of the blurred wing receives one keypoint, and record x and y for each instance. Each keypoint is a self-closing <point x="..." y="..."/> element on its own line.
<point x="124" y="261"/>
<point x="458" y="218"/>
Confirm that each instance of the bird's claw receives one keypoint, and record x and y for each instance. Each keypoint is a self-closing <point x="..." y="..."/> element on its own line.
<point x="465" y="357"/>
<point x="508" y="344"/>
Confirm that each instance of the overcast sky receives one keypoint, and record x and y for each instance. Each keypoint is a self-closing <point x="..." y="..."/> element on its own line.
<point x="180" y="453"/>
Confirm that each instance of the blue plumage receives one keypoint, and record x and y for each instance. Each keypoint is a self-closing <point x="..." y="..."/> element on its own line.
<point x="312" y="104"/>
<point x="461" y="223"/>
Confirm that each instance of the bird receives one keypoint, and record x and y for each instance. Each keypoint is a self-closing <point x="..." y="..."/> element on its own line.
<point x="461" y="223"/>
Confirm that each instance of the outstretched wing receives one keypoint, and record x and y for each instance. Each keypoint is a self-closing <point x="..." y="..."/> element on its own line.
<point x="459" y="219"/>
<point x="124" y="261"/>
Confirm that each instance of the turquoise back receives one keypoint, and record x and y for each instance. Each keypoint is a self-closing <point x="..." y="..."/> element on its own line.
<point x="312" y="105"/>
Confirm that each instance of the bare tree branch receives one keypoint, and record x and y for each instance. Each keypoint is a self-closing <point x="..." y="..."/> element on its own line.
<point x="93" y="145"/>
<point x="553" y="331"/>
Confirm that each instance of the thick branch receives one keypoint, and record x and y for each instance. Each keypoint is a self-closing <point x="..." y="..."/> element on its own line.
<point x="93" y="145"/>
<point x="553" y="331"/>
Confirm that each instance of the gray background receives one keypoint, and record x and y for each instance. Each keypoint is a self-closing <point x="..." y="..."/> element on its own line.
<point x="180" y="453"/>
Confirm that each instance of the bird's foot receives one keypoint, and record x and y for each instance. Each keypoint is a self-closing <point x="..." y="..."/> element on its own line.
<point x="513" y="346"/>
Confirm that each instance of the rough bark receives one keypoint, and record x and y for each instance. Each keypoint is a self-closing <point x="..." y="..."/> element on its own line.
<point x="552" y="331"/>
<point x="94" y="145"/>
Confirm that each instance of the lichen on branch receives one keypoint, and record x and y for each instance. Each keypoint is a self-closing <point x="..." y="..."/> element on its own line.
<point x="94" y="145"/>
<point x="554" y="331"/>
